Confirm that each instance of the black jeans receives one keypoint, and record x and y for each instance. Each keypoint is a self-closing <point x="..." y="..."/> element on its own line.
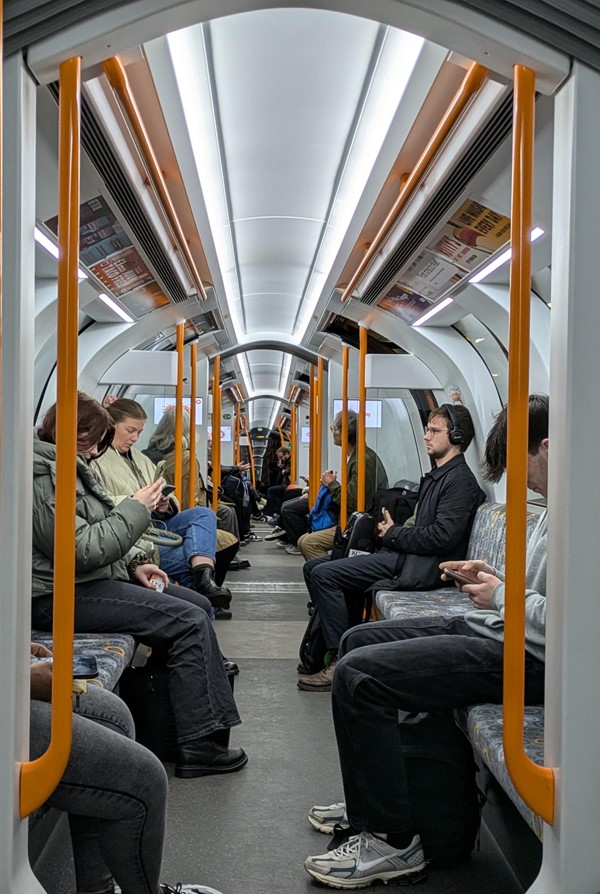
<point x="294" y="518"/>
<point x="334" y="585"/>
<point x="422" y="664"/>
<point x="175" y="622"/>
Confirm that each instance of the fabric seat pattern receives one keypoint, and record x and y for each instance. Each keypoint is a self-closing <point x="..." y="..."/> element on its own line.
<point x="113" y="651"/>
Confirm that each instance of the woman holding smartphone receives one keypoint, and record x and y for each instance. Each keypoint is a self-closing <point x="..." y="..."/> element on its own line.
<point x="114" y="592"/>
<point x="122" y="469"/>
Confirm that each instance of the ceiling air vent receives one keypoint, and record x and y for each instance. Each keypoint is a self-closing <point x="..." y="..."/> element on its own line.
<point x="208" y="322"/>
<point x="485" y="144"/>
<point x="102" y="157"/>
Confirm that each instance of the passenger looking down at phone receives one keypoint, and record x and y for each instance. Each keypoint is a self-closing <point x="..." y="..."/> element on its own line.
<point x="122" y="470"/>
<point x="114" y="592"/>
<point x="295" y="513"/>
<point x="113" y="790"/>
<point x="410" y="553"/>
<point x="428" y="664"/>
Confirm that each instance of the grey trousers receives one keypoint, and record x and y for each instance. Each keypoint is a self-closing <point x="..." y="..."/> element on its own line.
<point x="114" y="792"/>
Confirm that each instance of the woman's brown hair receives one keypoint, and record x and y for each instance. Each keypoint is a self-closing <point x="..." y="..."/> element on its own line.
<point x="94" y="425"/>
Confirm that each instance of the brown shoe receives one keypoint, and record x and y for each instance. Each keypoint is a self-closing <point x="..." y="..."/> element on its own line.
<point x="320" y="682"/>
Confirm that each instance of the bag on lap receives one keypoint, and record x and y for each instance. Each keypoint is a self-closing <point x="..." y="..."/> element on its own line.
<point x="399" y="502"/>
<point x="445" y="801"/>
<point x="322" y="516"/>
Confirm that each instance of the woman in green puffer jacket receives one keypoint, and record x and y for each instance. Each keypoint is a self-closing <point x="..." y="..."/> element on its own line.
<point x="114" y="592"/>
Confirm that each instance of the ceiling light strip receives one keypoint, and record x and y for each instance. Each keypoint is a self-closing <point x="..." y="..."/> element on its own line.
<point x="118" y="80"/>
<point x="110" y="302"/>
<point x="472" y="82"/>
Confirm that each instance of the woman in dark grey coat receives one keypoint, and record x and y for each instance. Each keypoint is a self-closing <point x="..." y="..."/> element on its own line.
<point x="114" y="592"/>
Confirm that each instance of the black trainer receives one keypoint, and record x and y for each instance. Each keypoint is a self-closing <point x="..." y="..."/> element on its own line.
<point x="203" y="757"/>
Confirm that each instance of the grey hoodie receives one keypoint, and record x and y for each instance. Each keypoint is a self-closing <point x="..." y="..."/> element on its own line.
<point x="488" y="622"/>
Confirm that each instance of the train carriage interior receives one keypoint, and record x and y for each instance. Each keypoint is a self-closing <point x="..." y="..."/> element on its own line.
<point x="266" y="215"/>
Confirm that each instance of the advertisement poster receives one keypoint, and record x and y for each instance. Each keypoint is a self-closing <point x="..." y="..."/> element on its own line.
<point x="107" y="251"/>
<point x="467" y="240"/>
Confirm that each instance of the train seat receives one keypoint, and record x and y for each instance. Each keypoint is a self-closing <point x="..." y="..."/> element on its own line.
<point x="113" y="652"/>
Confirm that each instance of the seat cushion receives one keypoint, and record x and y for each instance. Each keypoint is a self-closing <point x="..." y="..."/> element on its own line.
<point x="113" y="651"/>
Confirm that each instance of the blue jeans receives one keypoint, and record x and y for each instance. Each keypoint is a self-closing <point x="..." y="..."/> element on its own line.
<point x="115" y="794"/>
<point x="176" y="624"/>
<point x="198" y="527"/>
<point x="416" y="665"/>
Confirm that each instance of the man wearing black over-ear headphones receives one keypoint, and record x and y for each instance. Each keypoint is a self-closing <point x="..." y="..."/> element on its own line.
<point x="410" y="554"/>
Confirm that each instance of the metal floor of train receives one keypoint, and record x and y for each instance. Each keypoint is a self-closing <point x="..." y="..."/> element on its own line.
<point x="247" y="833"/>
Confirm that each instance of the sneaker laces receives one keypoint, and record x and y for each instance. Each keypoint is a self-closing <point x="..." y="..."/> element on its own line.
<point x="169" y="889"/>
<point x="351" y="847"/>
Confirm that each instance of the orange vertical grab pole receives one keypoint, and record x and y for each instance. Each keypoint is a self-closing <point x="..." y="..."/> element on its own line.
<point x="193" y="476"/>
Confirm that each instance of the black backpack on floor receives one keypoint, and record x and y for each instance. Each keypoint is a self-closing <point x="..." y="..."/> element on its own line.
<point x="445" y="801"/>
<point x="313" y="649"/>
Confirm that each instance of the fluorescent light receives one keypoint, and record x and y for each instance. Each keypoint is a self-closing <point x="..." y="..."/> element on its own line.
<point x="46" y="243"/>
<point x="502" y="259"/>
<point x="478" y="340"/>
<point x="114" y="306"/>
<point x="434" y="310"/>
<point x="52" y="249"/>
<point x="274" y="414"/>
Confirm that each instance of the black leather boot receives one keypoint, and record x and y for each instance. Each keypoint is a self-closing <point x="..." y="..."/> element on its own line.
<point x="204" y="583"/>
<point x="205" y="757"/>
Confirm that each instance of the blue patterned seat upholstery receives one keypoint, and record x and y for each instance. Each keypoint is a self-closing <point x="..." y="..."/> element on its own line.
<point x="482" y="723"/>
<point x="113" y="652"/>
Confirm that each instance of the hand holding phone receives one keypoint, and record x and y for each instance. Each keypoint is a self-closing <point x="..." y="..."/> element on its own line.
<point x="460" y="578"/>
<point x="168" y="489"/>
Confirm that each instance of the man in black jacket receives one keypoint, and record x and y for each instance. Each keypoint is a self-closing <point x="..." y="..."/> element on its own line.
<point x="411" y="553"/>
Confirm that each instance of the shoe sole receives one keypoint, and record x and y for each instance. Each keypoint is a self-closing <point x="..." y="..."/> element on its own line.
<point x="410" y="877"/>
<point x="195" y="772"/>
<point x="327" y="827"/>
<point x="301" y="684"/>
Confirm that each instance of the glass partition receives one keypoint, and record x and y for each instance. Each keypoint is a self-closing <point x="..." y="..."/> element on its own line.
<point x="394" y="434"/>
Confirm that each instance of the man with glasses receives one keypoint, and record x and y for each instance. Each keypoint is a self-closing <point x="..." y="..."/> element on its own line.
<point x="410" y="553"/>
<point x="294" y="513"/>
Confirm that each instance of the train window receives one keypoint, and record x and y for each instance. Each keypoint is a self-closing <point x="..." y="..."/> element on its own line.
<point x="395" y="441"/>
<point x="491" y="351"/>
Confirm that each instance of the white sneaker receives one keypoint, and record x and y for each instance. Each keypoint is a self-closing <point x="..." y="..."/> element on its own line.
<point x="293" y="550"/>
<point x="364" y="859"/>
<point x="275" y="534"/>
<point x="324" y="819"/>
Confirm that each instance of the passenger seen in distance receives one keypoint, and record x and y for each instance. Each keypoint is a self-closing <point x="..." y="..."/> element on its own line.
<point x="122" y="469"/>
<point x="410" y="554"/>
<point x="113" y="790"/>
<point x="114" y="592"/>
<point x="294" y="513"/>
<point x="422" y="665"/>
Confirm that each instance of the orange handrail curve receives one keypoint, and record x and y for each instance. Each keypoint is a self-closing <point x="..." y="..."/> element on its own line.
<point x="39" y="778"/>
<point x="293" y="444"/>
<point x="216" y="431"/>
<point x="344" y="460"/>
<point x="178" y="470"/>
<point x="193" y="476"/>
<point x="534" y="783"/>
<point x="361" y="434"/>
<point x="470" y="85"/>
<point x="117" y="77"/>
<point x="281" y="434"/>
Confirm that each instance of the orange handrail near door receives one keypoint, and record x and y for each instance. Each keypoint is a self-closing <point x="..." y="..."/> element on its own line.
<point x="178" y="470"/>
<point x="294" y="444"/>
<point x="238" y="426"/>
<point x="534" y="783"/>
<point x="39" y="778"/>
<point x="193" y="477"/>
<point x="361" y="433"/>
<point x="281" y="434"/>
<point x="216" y="432"/>
<point x="344" y="460"/>
<point x="250" y="451"/>
<point x="118" y="80"/>
<point x="319" y="415"/>
<point x="312" y="474"/>
<point x="471" y="84"/>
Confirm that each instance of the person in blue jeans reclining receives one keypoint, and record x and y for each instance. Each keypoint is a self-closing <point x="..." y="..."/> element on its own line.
<point x="424" y="665"/>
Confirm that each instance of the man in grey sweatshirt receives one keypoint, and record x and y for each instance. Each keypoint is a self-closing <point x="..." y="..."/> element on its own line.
<point x="422" y="665"/>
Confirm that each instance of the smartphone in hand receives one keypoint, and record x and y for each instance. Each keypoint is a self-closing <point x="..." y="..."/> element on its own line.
<point x="461" y="578"/>
<point x="168" y="489"/>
